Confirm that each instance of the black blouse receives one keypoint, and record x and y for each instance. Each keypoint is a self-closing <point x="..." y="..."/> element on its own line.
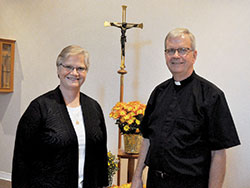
<point x="46" y="146"/>
<point x="184" y="124"/>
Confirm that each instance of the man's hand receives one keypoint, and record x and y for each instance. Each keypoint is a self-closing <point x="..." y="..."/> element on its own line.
<point x="217" y="169"/>
<point x="137" y="179"/>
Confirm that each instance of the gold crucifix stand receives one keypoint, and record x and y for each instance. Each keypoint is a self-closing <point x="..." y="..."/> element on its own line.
<point x="124" y="26"/>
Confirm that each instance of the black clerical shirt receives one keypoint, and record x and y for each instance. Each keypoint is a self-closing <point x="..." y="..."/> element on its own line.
<point x="184" y="124"/>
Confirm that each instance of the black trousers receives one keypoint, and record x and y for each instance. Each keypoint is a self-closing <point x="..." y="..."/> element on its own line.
<point x="156" y="180"/>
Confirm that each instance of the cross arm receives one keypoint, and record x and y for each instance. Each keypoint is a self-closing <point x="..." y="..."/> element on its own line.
<point x="123" y="25"/>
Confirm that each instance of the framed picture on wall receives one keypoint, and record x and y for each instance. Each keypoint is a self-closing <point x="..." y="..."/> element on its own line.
<point x="7" y="53"/>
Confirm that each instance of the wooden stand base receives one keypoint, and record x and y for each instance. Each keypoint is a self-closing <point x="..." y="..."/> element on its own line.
<point x="131" y="165"/>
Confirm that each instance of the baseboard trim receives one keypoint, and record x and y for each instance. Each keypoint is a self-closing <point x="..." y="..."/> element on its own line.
<point x="5" y="176"/>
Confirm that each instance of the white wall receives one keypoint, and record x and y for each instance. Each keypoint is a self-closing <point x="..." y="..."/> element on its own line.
<point x="43" y="27"/>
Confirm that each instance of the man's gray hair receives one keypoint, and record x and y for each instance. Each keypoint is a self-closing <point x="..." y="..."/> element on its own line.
<point x="178" y="32"/>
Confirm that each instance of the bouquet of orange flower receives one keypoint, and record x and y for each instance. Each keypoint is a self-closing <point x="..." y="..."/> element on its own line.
<point x="128" y="116"/>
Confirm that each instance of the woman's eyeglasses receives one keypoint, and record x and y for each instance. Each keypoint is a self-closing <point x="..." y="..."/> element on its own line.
<point x="71" y="68"/>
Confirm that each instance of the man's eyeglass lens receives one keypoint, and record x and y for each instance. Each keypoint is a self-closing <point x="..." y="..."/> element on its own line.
<point x="181" y="51"/>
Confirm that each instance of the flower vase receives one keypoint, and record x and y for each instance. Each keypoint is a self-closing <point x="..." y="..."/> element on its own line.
<point x="132" y="143"/>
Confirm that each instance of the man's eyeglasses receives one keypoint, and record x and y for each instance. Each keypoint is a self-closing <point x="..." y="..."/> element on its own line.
<point x="71" y="68"/>
<point x="181" y="51"/>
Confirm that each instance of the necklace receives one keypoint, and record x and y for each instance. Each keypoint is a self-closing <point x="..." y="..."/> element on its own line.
<point x="75" y="114"/>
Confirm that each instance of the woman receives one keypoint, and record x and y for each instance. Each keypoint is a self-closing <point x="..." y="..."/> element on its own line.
<point x="61" y="137"/>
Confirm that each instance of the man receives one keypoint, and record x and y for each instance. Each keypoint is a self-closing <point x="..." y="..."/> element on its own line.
<point x="187" y="125"/>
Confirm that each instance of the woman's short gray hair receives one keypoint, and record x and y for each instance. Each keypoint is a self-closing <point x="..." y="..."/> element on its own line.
<point x="71" y="51"/>
<point x="178" y="32"/>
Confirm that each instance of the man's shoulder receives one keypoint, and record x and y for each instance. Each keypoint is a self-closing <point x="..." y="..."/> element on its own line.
<point x="159" y="89"/>
<point x="163" y="84"/>
<point x="207" y="85"/>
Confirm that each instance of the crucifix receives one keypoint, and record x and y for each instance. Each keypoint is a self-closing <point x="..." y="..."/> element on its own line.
<point x="124" y="26"/>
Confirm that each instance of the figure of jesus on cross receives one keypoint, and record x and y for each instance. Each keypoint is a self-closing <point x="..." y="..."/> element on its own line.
<point x="123" y="26"/>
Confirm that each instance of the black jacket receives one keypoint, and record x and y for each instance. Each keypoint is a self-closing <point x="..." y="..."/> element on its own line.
<point x="46" y="146"/>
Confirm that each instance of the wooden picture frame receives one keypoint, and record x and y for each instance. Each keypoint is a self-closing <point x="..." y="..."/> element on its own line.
<point x="7" y="55"/>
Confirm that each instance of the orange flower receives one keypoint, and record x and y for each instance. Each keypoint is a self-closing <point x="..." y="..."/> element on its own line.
<point x="128" y="116"/>
<point x="115" y="115"/>
<point x="137" y="130"/>
<point x="122" y="119"/>
<point x="122" y="112"/>
<point x="132" y="114"/>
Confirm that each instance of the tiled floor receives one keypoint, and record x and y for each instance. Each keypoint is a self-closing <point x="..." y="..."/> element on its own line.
<point x="5" y="184"/>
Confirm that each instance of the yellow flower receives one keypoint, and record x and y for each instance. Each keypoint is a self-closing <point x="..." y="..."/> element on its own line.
<point x="137" y="122"/>
<point x="132" y="114"/>
<point x="126" y="128"/>
<point x="140" y="111"/>
<point x="127" y="117"/>
<point x="130" y="121"/>
<point x="109" y="154"/>
<point x="115" y="116"/>
<point x="129" y="108"/>
<point x="122" y="113"/>
<point x="112" y="166"/>
<point x="122" y="119"/>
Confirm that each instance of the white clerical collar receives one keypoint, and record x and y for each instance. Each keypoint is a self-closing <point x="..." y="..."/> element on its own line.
<point x="178" y="83"/>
